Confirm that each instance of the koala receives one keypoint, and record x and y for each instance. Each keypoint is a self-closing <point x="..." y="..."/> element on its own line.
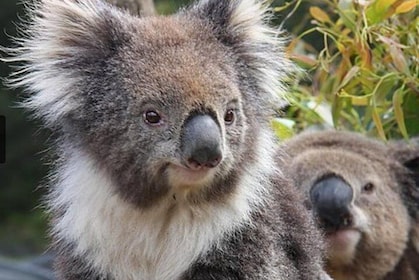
<point x="166" y="164"/>
<point x="365" y="196"/>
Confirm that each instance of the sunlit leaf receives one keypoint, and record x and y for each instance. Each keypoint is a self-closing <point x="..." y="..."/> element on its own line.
<point x="406" y="6"/>
<point x="385" y="89"/>
<point x="283" y="128"/>
<point x="381" y="6"/>
<point x="398" y="111"/>
<point x="373" y="16"/>
<point x="399" y="59"/>
<point x="293" y="45"/>
<point x="323" y="110"/>
<point x="389" y="41"/>
<point x="319" y="15"/>
<point x="365" y="54"/>
<point x="358" y="100"/>
<point x="341" y="47"/>
<point x="396" y="53"/>
<point x="305" y="60"/>
<point x="378" y="11"/>
<point x="349" y="76"/>
<point x="378" y="124"/>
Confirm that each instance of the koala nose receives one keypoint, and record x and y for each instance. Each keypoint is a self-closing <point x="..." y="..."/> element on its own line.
<point x="201" y="142"/>
<point x="331" y="198"/>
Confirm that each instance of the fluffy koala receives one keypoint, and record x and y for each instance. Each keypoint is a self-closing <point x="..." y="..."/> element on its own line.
<point x="365" y="196"/>
<point x="167" y="168"/>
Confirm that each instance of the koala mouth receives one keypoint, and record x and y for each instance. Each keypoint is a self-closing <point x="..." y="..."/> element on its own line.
<point x="343" y="237"/>
<point x="341" y="245"/>
<point x="190" y="174"/>
<point x="184" y="177"/>
<point x="341" y="234"/>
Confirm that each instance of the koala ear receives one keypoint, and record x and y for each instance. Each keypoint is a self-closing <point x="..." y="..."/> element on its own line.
<point x="63" y="39"/>
<point x="407" y="154"/>
<point x="236" y="20"/>
<point x="242" y="26"/>
<point x="413" y="166"/>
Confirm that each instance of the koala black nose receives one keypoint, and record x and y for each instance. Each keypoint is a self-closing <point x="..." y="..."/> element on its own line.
<point x="201" y="142"/>
<point x="331" y="198"/>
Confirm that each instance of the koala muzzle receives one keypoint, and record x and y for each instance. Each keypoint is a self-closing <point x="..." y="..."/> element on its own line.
<point x="331" y="198"/>
<point x="201" y="142"/>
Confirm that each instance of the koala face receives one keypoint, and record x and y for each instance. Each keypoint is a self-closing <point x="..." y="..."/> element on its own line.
<point x="166" y="115"/>
<point x="355" y="189"/>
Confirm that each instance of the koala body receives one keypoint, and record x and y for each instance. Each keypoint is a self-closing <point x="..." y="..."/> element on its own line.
<point x="365" y="196"/>
<point x="166" y="162"/>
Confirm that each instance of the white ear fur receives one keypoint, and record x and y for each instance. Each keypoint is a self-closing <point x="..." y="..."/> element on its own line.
<point x="59" y="33"/>
<point x="258" y="44"/>
<point x="250" y="16"/>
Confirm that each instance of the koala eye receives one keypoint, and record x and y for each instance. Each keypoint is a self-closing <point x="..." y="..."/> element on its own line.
<point x="368" y="188"/>
<point x="229" y="116"/>
<point x="152" y="117"/>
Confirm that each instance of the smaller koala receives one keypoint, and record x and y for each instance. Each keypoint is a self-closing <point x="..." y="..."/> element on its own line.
<point x="365" y="196"/>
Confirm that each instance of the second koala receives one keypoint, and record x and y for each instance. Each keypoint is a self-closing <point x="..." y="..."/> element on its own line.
<point x="365" y="196"/>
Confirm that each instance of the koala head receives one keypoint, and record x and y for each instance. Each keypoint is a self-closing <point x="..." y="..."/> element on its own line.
<point x="169" y="106"/>
<point x="364" y="195"/>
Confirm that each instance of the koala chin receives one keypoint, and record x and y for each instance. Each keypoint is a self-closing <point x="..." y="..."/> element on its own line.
<point x="167" y="168"/>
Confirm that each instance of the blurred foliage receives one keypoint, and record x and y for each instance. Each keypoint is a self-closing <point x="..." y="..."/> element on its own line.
<point x="364" y="77"/>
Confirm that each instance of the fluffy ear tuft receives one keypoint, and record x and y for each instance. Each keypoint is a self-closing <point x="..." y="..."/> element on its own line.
<point x="62" y="40"/>
<point x="242" y="26"/>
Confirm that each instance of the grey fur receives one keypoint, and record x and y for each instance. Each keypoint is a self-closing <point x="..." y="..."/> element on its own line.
<point x="94" y="72"/>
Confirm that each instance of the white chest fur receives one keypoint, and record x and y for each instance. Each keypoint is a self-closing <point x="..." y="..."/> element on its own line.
<point x="160" y="243"/>
<point x="157" y="244"/>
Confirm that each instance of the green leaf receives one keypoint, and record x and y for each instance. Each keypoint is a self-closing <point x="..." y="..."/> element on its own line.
<point x="283" y="128"/>
<point x="396" y="53"/>
<point x="378" y="124"/>
<point x="406" y="6"/>
<point x="319" y="15"/>
<point x="363" y="100"/>
<point x="347" y="15"/>
<point x="377" y="12"/>
<point x="398" y="111"/>
<point x="349" y="76"/>
<point x="337" y="108"/>
<point x="411" y="112"/>
<point x="383" y="5"/>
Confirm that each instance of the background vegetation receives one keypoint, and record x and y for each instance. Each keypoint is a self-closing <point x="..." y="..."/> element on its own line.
<point x="362" y="66"/>
<point x="362" y="75"/>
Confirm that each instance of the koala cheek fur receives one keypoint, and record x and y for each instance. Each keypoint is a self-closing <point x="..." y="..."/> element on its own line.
<point x="368" y="196"/>
<point x="167" y="165"/>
